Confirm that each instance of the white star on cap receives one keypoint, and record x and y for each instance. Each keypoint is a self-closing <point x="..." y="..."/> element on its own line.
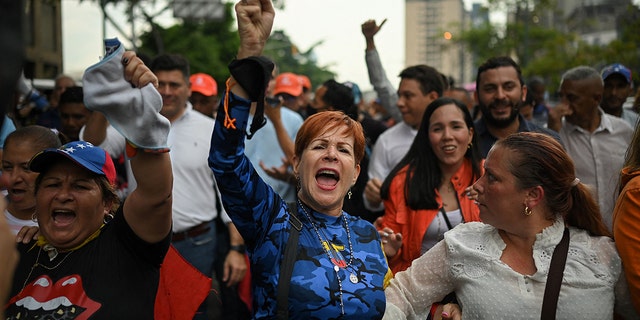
<point x="69" y="150"/>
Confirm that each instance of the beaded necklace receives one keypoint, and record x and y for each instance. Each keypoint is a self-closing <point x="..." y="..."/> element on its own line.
<point x="334" y="256"/>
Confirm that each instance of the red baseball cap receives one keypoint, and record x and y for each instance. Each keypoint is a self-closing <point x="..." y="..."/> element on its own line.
<point x="289" y="83"/>
<point x="203" y="83"/>
<point x="306" y="83"/>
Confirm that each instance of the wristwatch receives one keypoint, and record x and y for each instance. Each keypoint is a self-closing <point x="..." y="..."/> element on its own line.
<point x="238" y="247"/>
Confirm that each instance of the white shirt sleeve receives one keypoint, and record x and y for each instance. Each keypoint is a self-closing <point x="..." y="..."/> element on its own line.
<point x="412" y="292"/>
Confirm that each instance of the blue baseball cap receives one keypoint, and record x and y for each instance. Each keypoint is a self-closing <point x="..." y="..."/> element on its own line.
<point x="616" y="68"/>
<point x="357" y="94"/>
<point x="85" y="154"/>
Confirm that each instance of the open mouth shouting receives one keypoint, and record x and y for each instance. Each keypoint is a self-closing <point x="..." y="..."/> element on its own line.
<point x="327" y="179"/>
<point x="63" y="217"/>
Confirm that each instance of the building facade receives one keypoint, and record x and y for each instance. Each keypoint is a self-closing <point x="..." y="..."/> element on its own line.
<point x="42" y="35"/>
<point x="431" y="27"/>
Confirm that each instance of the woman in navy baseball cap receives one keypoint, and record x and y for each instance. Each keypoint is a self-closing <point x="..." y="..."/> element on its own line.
<point x="94" y="258"/>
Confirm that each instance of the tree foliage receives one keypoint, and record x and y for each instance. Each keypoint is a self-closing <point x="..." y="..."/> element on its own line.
<point x="290" y="58"/>
<point x="208" y="45"/>
<point x="211" y="45"/>
<point x="545" y="51"/>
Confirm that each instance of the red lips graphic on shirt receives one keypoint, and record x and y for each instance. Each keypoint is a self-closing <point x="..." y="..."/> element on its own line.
<point x="66" y="296"/>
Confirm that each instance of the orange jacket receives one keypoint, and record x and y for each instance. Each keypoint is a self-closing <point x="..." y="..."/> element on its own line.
<point x="626" y="231"/>
<point x="413" y="224"/>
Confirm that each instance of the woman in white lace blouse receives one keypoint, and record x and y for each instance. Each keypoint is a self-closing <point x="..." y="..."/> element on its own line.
<point x="499" y="267"/>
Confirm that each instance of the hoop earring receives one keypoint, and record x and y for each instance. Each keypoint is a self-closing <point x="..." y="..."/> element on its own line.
<point x="107" y="218"/>
<point x="349" y="194"/>
<point x="469" y="145"/>
<point x="527" y="211"/>
<point x="34" y="218"/>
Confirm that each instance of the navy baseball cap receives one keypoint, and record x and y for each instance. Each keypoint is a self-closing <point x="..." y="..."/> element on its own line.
<point x="85" y="154"/>
<point x="616" y="68"/>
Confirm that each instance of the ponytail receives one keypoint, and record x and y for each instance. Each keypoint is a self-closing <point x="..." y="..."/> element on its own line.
<point x="585" y="212"/>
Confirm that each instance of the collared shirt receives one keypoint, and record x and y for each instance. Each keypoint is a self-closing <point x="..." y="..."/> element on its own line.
<point x="599" y="157"/>
<point x="194" y="187"/>
<point x="487" y="140"/>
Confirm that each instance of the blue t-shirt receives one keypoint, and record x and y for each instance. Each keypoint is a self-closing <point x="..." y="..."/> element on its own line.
<point x="7" y="128"/>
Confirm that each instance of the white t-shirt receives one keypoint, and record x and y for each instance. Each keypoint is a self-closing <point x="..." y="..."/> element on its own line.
<point x="16" y="224"/>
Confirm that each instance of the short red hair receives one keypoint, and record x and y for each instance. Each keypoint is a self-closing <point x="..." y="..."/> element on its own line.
<point x="325" y="121"/>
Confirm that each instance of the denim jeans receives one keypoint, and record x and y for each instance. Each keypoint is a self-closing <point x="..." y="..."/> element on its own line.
<point x="200" y="251"/>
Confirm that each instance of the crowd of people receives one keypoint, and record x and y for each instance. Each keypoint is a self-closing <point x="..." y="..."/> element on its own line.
<point x="263" y="196"/>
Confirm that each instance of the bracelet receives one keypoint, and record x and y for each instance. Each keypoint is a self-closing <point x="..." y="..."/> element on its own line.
<point x="239" y="248"/>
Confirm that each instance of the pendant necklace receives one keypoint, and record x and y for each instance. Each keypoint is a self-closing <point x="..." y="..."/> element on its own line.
<point x="53" y="253"/>
<point x="38" y="264"/>
<point x="334" y="256"/>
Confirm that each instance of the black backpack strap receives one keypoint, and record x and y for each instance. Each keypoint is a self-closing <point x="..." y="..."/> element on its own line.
<point x="286" y="267"/>
<point x="554" y="279"/>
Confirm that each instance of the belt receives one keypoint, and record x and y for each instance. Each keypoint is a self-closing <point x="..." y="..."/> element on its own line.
<point x="191" y="232"/>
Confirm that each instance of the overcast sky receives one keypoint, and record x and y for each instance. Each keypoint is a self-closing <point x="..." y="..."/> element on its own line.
<point x="335" y="22"/>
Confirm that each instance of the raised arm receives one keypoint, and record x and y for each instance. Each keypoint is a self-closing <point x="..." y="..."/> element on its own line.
<point x="245" y="196"/>
<point x="255" y="20"/>
<point x="285" y="142"/>
<point x="377" y="76"/>
<point x="95" y="130"/>
<point x="369" y="30"/>
<point x="124" y="90"/>
<point x="148" y="208"/>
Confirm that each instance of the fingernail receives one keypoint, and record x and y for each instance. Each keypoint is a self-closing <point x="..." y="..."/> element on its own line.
<point x="445" y="314"/>
<point x="18" y="239"/>
<point x="385" y="234"/>
<point x="125" y="61"/>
